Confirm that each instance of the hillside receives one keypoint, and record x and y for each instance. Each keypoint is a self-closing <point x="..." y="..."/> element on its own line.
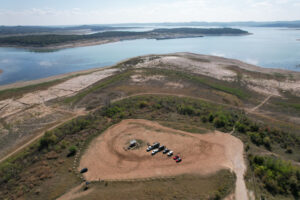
<point x="195" y="104"/>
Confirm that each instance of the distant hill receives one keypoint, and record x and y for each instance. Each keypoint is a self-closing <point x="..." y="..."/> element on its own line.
<point x="56" y="39"/>
<point x="25" y="30"/>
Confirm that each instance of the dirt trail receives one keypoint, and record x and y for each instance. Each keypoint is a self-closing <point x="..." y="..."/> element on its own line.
<point x="108" y="159"/>
<point x="39" y="135"/>
<point x="32" y="106"/>
<point x="75" y="193"/>
<point x="261" y="104"/>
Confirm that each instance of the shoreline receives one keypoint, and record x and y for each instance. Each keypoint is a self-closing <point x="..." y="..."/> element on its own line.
<point x="62" y="46"/>
<point x="51" y="78"/>
<point x="250" y="67"/>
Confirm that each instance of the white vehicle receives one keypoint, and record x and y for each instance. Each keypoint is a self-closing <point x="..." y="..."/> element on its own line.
<point x="170" y="153"/>
<point x="149" y="148"/>
<point x="154" y="152"/>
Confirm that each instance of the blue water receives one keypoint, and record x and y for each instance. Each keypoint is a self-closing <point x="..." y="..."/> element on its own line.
<point x="267" y="47"/>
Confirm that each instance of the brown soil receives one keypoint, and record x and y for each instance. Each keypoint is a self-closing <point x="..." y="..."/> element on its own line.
<point x="108" y="159"/>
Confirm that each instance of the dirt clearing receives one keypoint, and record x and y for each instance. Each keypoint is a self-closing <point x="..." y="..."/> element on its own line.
<point x="108" y="159"/>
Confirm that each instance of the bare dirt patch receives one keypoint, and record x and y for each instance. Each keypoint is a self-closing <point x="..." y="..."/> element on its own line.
<point x="22" y="118"/>
<point x="107" y="159"/>
<point x="254" y="77"/>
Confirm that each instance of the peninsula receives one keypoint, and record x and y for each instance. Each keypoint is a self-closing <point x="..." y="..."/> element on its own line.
<point x="58" y="41"/>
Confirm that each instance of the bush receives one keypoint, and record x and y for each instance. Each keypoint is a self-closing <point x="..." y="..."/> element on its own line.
<point x="48" y="139"/>
<point x="278" y="176"/>
<point x="267" y="142"/>
<point x="289" y="151"/>
<point x="186" y="110"/>
<point x="219" y="122"/>
<point x="211" y="117"/>
<point x="143" y="104"/>
<point x="72" y="150"/>
<point x="240" y="127"/>
<point x="204" y="119"/>
<point x="111" y="111"/>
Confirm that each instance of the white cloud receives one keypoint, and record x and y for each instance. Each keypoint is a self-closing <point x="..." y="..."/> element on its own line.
<point x="176" y="10"/>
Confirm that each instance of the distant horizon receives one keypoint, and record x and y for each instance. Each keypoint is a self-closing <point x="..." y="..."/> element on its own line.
<point x="74" y="12"/>
<point x="163" y="22"/>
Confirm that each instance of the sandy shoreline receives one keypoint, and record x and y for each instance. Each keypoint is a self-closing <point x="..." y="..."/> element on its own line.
<point x="64" y="46"/>
<point x="50" y="78"/>
<point x="61" y="76"/>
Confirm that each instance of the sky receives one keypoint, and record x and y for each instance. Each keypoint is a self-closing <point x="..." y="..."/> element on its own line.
<point x="75" y="12"/>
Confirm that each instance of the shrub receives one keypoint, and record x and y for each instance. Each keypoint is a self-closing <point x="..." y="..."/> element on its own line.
<point x="186" y="110"/>
<point x="219" y="122"/>
<point x="143" y="104"/>
<point x="267" y="142"/>
<point x="204" y="119"/>
<point x="240" y="127"/>
<point x="289" y="151"/>
<point x="72" y="150"/>
<point x="111" y="111"/>
<point x="211" y="117"/>
<point x="48" y="139"/>
<point x="278" y="176"/>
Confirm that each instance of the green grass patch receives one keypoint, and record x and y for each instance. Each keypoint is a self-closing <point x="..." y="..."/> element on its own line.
<point x="289" y="105"/>
<point x="198" y="79"/>
<point x="215" y="186"/>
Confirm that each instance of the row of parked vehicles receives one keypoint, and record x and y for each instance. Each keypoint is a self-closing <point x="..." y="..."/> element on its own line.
<point x="156" y="147"/>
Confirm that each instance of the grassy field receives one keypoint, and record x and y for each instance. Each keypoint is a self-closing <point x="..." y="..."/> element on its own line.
<point x="181" y="187"/>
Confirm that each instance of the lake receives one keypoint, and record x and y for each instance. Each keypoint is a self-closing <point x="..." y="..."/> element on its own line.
<point x="267" y="47"/>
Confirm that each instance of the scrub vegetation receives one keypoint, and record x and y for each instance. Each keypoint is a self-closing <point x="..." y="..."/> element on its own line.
<point x="52" y="150"/>
<point x="176" y="98"/>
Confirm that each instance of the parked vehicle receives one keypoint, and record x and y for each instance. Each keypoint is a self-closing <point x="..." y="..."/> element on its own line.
<point x="178" y="160"/>
<point x="166" y="151"/>
<point x="161" y="148"/>
<point x="83" y="170"/>
<point x="170" y="153"/>
<point x="154" y="152"/>
<point x="175" y="157"/>
<point x="155" y="145"/>
<point x="150" y="148"/>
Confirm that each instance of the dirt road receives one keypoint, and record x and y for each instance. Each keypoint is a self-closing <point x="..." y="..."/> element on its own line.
<point x="108" y="159"/>
<point x="39" y="135"/>
<point x="261" y="104"/>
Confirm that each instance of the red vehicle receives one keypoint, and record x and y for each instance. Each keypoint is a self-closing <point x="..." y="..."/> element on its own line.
<point x="175" y="157"/>
<point x="178" y="160"/>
